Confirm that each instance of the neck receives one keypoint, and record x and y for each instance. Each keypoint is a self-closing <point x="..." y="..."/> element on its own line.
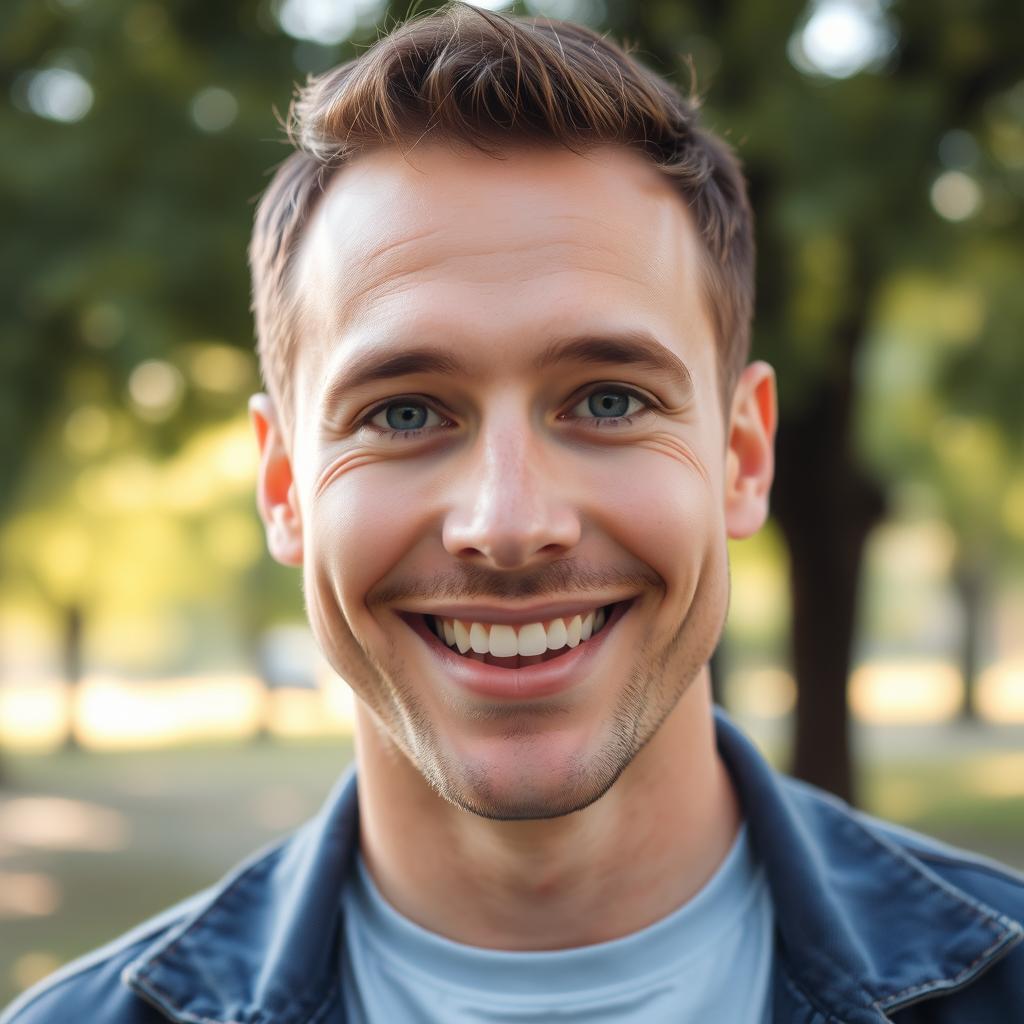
<point x="639" y="852"/>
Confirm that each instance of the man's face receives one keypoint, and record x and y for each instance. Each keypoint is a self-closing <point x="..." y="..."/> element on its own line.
<point x="550" y="443"/>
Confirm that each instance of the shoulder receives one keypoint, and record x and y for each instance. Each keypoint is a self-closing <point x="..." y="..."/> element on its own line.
<point x="90" y="987"/>
<point x="960" y="882"/>
<point x="998" y="991"/>
<point x="987" y="880"/>
<point x="904" y="924"/>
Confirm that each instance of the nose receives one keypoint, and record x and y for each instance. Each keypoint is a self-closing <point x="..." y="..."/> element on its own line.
<point x="509" y="510"/>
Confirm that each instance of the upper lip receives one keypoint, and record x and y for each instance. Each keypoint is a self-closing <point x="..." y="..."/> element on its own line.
<point x="503" y="614"/>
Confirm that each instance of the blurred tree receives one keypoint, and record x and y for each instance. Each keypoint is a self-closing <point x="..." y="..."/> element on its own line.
<point x="948" y="418"/>
<point x="127" y="537"/>
<point x="136" y="139"/>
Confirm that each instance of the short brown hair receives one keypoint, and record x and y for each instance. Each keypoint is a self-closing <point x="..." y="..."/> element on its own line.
<point x="468" y="76"/>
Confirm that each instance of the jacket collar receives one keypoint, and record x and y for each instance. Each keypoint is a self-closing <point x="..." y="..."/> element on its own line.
<point x="265" y="945"/>
<point x="863" y="926"/>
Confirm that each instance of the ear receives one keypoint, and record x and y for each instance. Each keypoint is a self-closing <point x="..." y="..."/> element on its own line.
<point x="750" y="455"/>
<point x="276" y="498"/>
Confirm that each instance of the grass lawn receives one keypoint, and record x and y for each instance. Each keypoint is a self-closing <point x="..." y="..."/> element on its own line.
<point x="140" y="830"/>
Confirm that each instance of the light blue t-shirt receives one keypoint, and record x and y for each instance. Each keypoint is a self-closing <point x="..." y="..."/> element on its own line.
<point x="710" y="960"/>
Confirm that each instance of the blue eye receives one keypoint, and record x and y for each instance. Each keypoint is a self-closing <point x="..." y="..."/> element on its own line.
<point x="609" y="404"/>
<point x="405" y="416"/>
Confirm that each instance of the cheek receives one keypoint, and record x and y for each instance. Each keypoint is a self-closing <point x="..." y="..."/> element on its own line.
<point x="355" y="538"/>
<point x="658" y="502"/>
<point x="352" y="538"/>
<point x="363" y="525"/>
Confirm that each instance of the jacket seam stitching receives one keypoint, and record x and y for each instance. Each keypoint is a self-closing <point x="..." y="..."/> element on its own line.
<point x="907" y="858"/>
<point x="70" y="973"/>
<point x="143" y="974"/>
<point x="158" y="993"/>
<point x="964" y="899"/>
<point x="888" y="1001"/>
<point x="981" y="911"/>
<point x="151" y="988"/>
<point x="260" y="866"/>
<point x="993" y="871"/>
<point x="806" y="997"/>
<point x="158" y="996"/>
<point x="255" y="867"/>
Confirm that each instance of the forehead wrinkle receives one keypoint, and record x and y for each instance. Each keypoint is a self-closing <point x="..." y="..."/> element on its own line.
<point x="372" y="256"/>
<point x="527" y="262"/>
<point x="519" y="252"/>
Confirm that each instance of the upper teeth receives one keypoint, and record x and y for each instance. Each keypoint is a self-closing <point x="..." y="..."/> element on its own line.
<point x="530" y="639"/>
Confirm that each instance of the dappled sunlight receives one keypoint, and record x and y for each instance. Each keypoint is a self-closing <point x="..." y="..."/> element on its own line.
<point x="763" y="692"/>
<point x="919" y="692"/>
<point x="59" y="823"/>
<point x="215" y="463"/>
<point x="911" y="692"/>
<point x="35" y="716"/>
<point x="1000" y="695"/>
<point x="111" y="713"/>
<point x="115" y="713"/>
<point x="339" y="700"/>
<point x="28" y="894"/>
<point x="321" y="712"/>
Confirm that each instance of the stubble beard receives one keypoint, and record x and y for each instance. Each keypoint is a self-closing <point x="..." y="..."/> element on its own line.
<point x="656" y="685"/>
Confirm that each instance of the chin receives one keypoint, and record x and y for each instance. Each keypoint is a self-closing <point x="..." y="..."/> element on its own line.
<point x="528" y="777"/>
<point x="527" y="802"/>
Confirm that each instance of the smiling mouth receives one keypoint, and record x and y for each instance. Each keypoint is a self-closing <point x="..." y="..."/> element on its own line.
<point x="533" y="643"/>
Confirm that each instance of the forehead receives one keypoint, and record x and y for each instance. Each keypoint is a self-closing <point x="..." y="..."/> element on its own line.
<point x="471" y="243"/>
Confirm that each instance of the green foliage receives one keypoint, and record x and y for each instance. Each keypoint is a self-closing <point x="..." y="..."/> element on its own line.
<point x="126" y="230"/>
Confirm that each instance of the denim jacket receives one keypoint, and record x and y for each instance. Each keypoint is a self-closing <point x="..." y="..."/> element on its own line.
<point x="873" y="923"/>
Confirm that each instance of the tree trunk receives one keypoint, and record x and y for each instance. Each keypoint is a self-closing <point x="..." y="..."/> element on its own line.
<point x="825" y="523"/>
<point x="72" y="658"/>
<point x="826" y="506"/>
<point x="969" y="577"/>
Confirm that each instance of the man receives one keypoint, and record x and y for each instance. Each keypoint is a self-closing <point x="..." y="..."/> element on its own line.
<point x="503" y="294"/>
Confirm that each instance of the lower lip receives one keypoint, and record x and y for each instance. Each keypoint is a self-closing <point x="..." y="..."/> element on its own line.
<point x="544" y="679"/>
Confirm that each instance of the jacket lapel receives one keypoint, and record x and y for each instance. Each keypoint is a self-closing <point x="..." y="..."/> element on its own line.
<point x="266" y="945"/>
<point x="862" y="926"/>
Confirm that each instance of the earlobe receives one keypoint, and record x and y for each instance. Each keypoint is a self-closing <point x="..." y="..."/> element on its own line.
<point x="276" y="496"/>
<point x="750" y="455"/>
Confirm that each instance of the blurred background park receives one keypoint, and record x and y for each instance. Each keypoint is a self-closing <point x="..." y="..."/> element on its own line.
<point x="162" y="708"/>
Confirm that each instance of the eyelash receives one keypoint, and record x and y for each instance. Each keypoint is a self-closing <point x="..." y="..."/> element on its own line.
<point x="596" y="421"/>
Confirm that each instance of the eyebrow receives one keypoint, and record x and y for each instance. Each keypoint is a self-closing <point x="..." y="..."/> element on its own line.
<point x="630" y="348"/>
